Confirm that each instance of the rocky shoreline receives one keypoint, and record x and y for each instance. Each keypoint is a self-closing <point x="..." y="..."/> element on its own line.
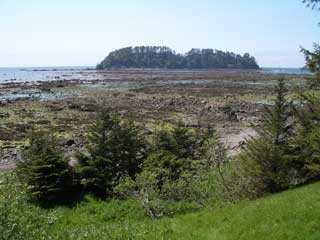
<point x="230" y="100"/>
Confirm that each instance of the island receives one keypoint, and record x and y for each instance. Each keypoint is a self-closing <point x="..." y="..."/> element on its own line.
<point x="165" y="57"/>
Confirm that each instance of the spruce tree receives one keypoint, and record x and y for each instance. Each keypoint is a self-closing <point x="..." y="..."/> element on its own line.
<point x="178" y="149"/>
<point x="266" y="158"/>
<point x="307" y="113"/>
<point x="307" y="140"/>
<point x="173" y="148"/>
<point x="116" y="148"/>
<point x="179" y="140"/>
<point x="44" y="170"/>
<point x="313" y="65"/>
<point x="311" y="3"/>
<point x="186" y="141"/>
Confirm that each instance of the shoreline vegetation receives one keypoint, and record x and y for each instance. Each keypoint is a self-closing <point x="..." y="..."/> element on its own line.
<point x="109" y="161"/>
<point x="134" y="154"/>
<point x="288" y="215"/>
<point x="231" y="100"/>
<point x="127" y="182"/>
<point x="164" y="57"/>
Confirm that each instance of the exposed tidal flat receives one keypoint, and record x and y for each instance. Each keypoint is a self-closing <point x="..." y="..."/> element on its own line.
<point x="67" y="98"/>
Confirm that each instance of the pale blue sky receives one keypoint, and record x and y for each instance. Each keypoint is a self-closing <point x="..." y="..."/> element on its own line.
<point x="82" y="32"/>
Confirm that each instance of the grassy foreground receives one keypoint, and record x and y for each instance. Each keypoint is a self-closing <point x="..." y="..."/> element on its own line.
<point x="290" y="215"/>
<point x="294" y="214"/>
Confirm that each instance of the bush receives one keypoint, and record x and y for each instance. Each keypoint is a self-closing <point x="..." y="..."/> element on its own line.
<point x="170" y="199"/>
<point x="169" y="181"/>
<point x="18" y="221"/>
<point x="43" y="169"/>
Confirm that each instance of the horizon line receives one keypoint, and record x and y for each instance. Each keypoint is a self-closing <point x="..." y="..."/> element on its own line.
<point x="90" y="66"/>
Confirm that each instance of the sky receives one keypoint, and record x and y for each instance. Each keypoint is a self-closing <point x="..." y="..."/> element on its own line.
<point x="83" y="32"/>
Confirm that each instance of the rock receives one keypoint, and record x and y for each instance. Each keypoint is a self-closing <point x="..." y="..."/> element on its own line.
<point x="72" y="161"/>
<point x="23" y="127"/>
<point x="74" y="106"/>
<point x="46" y="90"/>
<point x="42" y="122"/>
<point x="70" y="142"/>
<point x="4" y="115"/>
<point x="89" y="107"/>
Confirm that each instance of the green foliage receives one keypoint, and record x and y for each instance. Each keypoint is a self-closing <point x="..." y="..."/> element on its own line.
<point x="173" y="149"/>
<point x="163" y="140"/>
<point x="267" y="158"/>
<point x="178" y="196"/>
<point x="185" y="165"/>
<point x="313" y="65"/>
<point x="168" y="165"/>
<point x="164" y="57"/>
<point x="181" y="141"/>
<point x="288" y="215"/>
<point x="312" y="160"/>
<point x="43" y="169"/>
<point x="216" y="161"/>
<point x="311" y="3"/>
<point x="19" y="220"/>
<point x="307" y="140"/>
<point x="116" y="148"/>
<point x="176" y="150"/>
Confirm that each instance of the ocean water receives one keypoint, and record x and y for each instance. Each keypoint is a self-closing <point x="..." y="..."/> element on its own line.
<point x="32" y="74"/>
<point x="298" y="71"/>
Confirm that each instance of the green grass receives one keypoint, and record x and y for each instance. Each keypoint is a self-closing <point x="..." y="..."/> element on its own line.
<point x="293" y="214"/>
<point x="290" y="215"/>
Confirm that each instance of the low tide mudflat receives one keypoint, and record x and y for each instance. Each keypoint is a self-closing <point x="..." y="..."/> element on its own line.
<point x="229" y="99"/>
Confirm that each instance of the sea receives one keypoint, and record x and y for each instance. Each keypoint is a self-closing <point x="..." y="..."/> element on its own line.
<point x="32" y="74"/>
<point x="297" y="71"/>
